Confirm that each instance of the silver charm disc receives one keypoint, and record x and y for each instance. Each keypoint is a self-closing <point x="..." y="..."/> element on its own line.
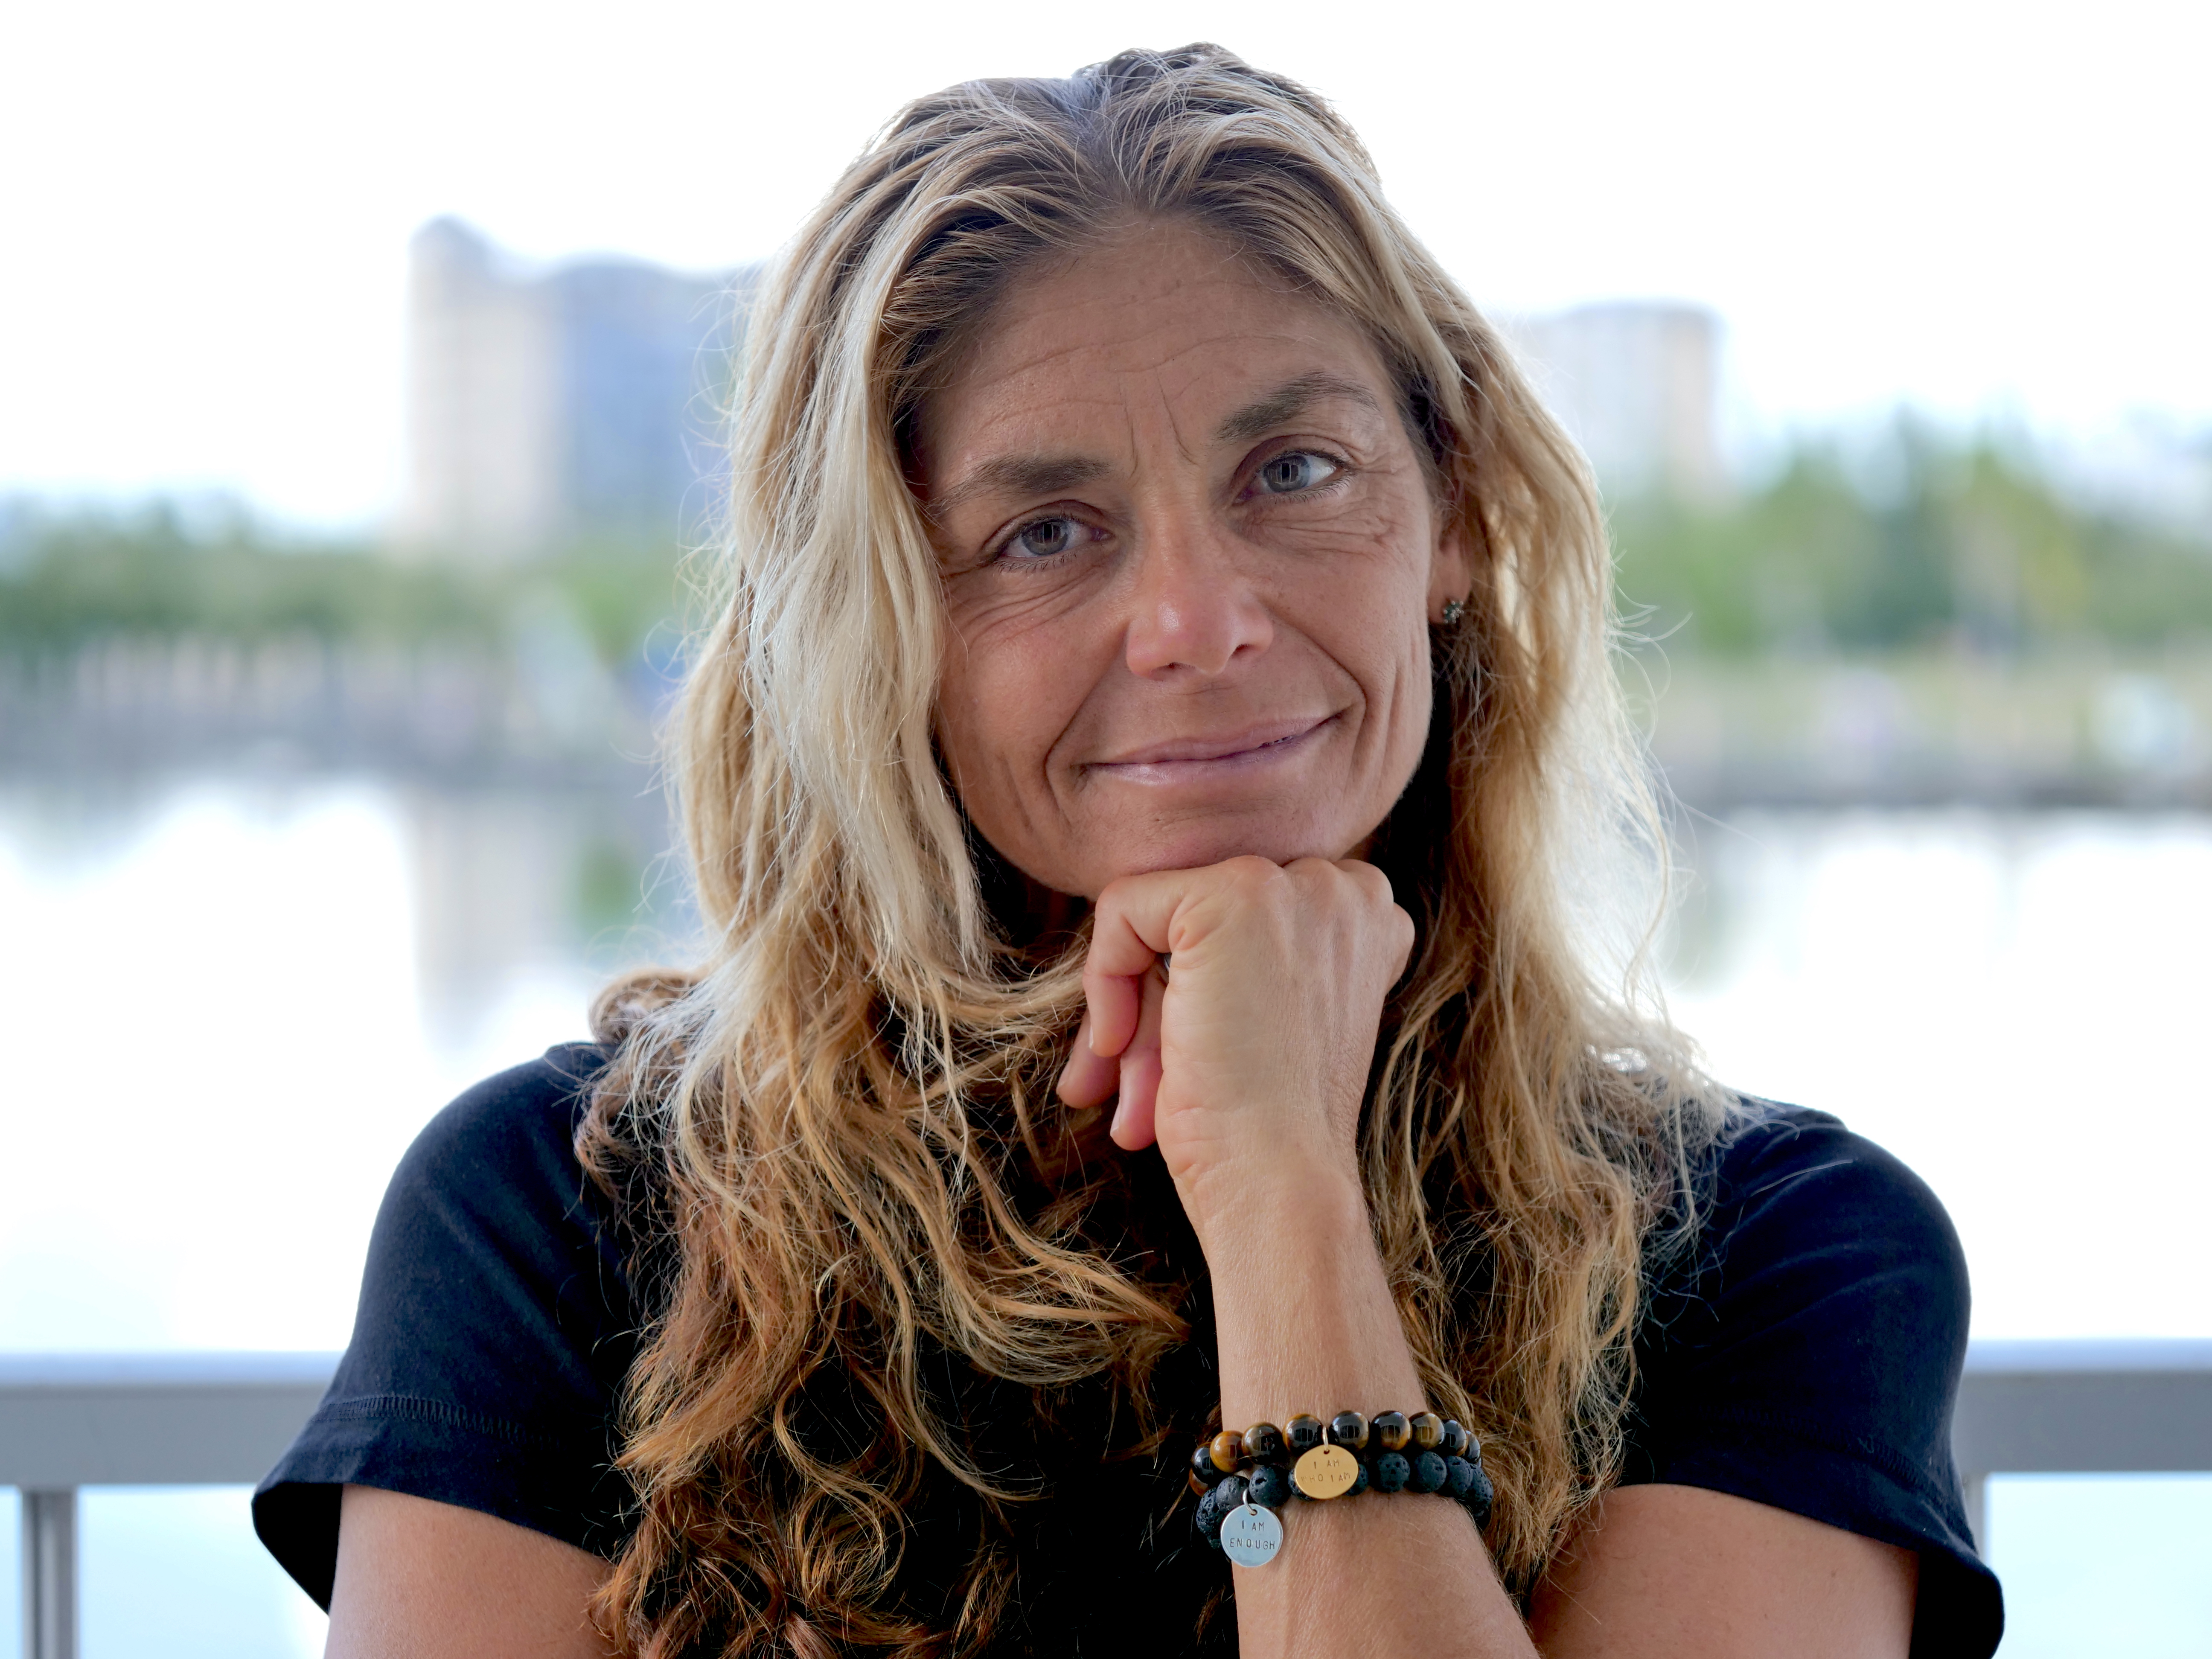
<point x="1251" y="1536"/>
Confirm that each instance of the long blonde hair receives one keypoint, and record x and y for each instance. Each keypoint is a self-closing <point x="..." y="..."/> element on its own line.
<point x="837" y="1137"/>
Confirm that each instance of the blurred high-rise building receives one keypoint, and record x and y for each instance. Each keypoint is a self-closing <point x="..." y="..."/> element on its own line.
<point x="544" y="407"/>
<point x="1637" y="384"/>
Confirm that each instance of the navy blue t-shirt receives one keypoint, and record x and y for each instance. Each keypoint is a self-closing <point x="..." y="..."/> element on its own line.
<point x="1805" y="1353"/>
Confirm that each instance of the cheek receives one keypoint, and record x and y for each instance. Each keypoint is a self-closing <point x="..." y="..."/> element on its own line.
<point x="1000" y="707"/>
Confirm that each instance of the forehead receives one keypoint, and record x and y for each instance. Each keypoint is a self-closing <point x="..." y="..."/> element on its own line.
<point x="1163" y="316"/>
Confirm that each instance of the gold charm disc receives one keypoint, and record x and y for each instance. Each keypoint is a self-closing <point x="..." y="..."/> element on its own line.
<point x="1327" y="1472"/>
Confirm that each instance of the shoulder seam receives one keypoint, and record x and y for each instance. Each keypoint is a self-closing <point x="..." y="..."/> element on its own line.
<point x="372" y="1406"/>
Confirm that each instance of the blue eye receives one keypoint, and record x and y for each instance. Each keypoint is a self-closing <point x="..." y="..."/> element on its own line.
<point x="1299" y="470"/>
<point x="1045" y="539"/>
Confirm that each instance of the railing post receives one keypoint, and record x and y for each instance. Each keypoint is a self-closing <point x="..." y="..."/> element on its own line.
<point x="49" y="1525"/>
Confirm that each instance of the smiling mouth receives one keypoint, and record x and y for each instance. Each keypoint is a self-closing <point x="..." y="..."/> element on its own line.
<point x="1191" y="758"/>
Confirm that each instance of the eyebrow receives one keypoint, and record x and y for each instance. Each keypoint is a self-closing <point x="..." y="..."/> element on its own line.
<point x="1048" y="475"/>
<point x="1019" y="475"/>
<point x="1288" y="402"/>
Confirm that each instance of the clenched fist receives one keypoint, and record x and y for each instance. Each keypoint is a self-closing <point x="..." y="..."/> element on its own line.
<point x="1247" y="1061"/>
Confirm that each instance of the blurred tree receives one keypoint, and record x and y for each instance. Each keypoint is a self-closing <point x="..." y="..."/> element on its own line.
<point x="1940" y="544"/>
<point x="65" y="580"/>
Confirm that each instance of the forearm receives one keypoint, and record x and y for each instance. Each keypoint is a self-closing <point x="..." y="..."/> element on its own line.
<point x="1306" y="1323"/>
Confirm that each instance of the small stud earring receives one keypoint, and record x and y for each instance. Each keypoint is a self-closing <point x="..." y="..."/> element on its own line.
<point x="1454" y="610"/>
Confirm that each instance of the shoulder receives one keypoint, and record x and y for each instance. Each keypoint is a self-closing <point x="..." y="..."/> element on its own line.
<point x="1820" y="1272"/>
<point x="491" y="1231"/>
<point x="496" y="1326"/>
<point x="1796" y="1205"/>
<point x="517" y="1127"/>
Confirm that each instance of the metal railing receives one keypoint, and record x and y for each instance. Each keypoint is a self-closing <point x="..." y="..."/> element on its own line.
<point x="2139" y="1408"/>
<point x="68" y="1421"/>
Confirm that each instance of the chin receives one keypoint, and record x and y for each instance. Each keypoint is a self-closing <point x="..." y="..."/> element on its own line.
<point x="1194" y="845"/>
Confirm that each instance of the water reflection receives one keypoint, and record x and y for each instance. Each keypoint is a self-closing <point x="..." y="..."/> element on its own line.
<point x="2004" y="999"/>
<point x="229" y="1006"/>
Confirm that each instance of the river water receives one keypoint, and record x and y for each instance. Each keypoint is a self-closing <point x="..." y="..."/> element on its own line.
<point x="228" y="1006"/>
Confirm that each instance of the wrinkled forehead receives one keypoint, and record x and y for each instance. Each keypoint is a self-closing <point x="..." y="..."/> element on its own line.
<point x="1174" y="328"/>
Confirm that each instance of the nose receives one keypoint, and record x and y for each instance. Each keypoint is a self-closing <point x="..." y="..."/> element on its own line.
<point x="1194" y="610"/>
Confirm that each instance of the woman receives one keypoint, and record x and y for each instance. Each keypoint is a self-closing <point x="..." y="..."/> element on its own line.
<point x="1146" y="789"/>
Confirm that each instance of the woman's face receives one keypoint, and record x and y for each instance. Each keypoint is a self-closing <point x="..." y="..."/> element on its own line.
<point x="1190" y="556"/>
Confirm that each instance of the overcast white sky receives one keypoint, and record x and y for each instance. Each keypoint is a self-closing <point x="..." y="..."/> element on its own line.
<point x="1982" y="210"/>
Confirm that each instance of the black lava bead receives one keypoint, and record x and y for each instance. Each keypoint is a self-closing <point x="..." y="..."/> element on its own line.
<point x="1480" y="1497"/>
<point x="1455" y="1441"/>
<point x="1207" y="1517"/>
<point x="1303" y="1433"/>
<point x="1201" y="1463"/>
<point x="1391" y="1472"/>
<point x="1390" y="1431"/>
<point x="1231" y="1491"/>
<point x="1263" y="1442"/>
<point x="1459" y="1477"/>
<point x="1428" y="1472"/>
<point x="1360" y="1483"/>
<point x="1349" y="1430"/>
<point x="1269" y="1486"/>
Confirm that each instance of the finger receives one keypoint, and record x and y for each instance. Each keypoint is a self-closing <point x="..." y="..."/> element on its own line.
<point x="1135" y="918"/>
<point x="1114" y="969"/>
<point x="1089" y="1078"/>
<point x="1135" y="1116"/>
<point x="1372" y="883"/>
<point x="1112" y="1004"/>
<point x="1408" y="936"/>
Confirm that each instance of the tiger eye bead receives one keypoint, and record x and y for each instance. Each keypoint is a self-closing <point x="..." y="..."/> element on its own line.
<point x="1202" y="1472"/>
<point x="1428" y="1430"/>
<point x="1454" y="1440"/>
<point x="1226" y="1449"/>
<point x="1263" y="1442"/>
<point x="1349" y="1430"/>
<point x="1391" y="1431"/>
<point x="1303" y="1433"/>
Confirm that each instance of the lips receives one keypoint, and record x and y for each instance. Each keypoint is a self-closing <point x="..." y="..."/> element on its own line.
<point x="1251" y="742"/>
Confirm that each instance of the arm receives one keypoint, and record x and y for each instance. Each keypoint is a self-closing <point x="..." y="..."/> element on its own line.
<point x="1307" y="1324"/>
<point x="1664" y="1570"/>
<point x="1247" y="1067"/>
<point x="421" y="1580"/>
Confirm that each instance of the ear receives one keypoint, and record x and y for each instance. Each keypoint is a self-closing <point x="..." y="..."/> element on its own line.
<point x="1451" y="572"/>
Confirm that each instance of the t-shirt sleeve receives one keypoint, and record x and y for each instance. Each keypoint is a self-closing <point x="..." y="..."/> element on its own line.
<point x="494" y="1332"/>
<point x="1808" y="1354"/>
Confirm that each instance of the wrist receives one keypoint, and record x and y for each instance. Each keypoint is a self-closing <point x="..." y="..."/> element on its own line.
<point x="1297" y="1200"/>
<point x="1303" y="1314"/>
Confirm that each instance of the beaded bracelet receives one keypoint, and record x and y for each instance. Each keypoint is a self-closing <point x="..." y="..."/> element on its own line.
<point x="1342" y="1458"/>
